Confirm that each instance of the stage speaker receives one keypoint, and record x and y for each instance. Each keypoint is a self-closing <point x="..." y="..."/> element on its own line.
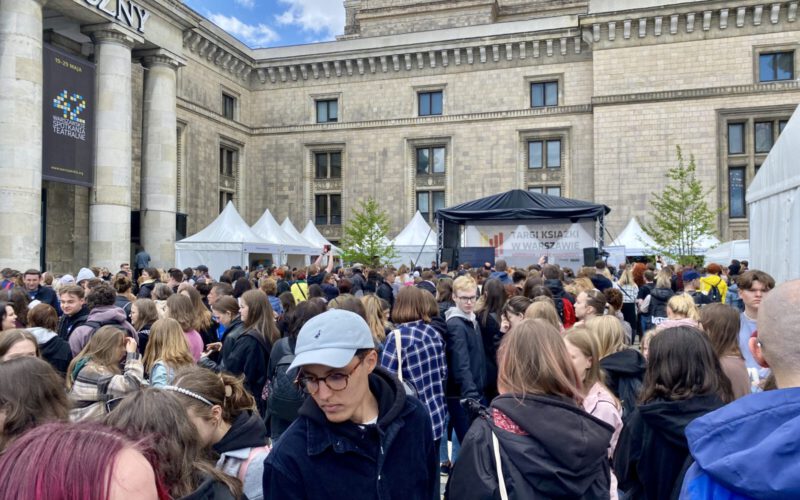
<point x="590" y="256"/>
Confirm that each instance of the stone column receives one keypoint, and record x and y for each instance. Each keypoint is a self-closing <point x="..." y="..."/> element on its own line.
<point x="20" y="133"/>
<point x="159" y="158"/>
<point x="110" y="197"/>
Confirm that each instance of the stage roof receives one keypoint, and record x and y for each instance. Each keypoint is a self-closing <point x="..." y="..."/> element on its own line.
<point x="519" y="204"/>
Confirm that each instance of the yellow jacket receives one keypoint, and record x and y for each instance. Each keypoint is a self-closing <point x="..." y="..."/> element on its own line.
<point x="706" y="282"/>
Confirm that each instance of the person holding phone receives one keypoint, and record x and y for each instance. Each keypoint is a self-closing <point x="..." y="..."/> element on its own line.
<point x="317" y="275"/>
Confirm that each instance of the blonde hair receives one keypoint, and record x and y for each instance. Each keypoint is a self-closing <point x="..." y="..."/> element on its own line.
<point x="545" y="310"/>
<point x="683" y="305"/>
<point x="626" y="278"/>
<point x="167" y="344"/>
<point x="609" y="334"/>
<point x="648" y="336"/>
<point x="664" y="279"/>
<point x="375" y="318"/>
<point x="464" y="283"/>
<point x="585" y="342"/>
<point x="103" y="349"/>
<point x="532" y="359"/>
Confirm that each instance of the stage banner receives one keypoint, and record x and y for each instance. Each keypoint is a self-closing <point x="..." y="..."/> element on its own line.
<point x="522" y="244"/>
<point x="68" y="124"/>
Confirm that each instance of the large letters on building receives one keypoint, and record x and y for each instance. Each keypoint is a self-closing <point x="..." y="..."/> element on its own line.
<point x="68" y="125"/>
<point x="522" y="244"/>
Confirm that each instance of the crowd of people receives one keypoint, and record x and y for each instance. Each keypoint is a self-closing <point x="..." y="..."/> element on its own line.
<point x="648" y="381"/>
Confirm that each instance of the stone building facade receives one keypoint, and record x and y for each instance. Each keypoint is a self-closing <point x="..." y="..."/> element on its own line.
<point x="419" y="103"/>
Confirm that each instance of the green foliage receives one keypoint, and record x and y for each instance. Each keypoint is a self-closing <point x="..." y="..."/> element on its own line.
<point x="680" y="213"/>
<point x="365" y="238"/>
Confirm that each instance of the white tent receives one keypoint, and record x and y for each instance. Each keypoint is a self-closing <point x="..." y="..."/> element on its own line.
<point x="293" y="233"/>
<point x="313" y="236"/>
<point x="268" y="228"/>
<point x="773" y="204"/>
<point x="725" y="252"/>
<point x="226" y="242"/>
<point x="705" y="244"/>
<point x="416" y="242"/>
<point x="635" y="240"/>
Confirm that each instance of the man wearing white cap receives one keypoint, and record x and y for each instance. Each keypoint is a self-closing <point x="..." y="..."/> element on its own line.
<point x="358" y="435"/>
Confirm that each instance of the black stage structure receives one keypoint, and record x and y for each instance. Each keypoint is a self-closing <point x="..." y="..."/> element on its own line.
<point x="514" y="205"/>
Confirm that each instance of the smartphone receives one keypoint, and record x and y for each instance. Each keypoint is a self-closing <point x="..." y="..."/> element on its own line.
<point x="326" y="248"/>
<point x="546" y="259"/>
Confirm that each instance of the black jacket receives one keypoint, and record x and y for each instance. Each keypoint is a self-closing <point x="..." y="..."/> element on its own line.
<point x="249" y="357"/>
<point x="564" y="455"/>
<point x="123" y="303"/>
<point x="210" y="489"/>
<point x="658" y="301"/>
<point x="393" y="459"/>
<point x="385" y="292"/>
<point x="652" y="454"/>
<point x="146" y="289"/>
<point x="247" y="431"/>
<point x="53" y="348"/>
<point x="427" y="286"/>
<point x="466" y="361"/>
<point x="557" y="289"/>
<point x="46" y="295"/>
<point x="490" y="336"/>
<point x="624" y="374"/>
<point x="66" y="324"/>
<point x="359" y="282"/>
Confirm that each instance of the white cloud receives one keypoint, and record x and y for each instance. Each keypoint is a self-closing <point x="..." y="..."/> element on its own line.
<point x="321" y="17"/>
<point x="254" y="35"/>
<point x="247" y="4"/>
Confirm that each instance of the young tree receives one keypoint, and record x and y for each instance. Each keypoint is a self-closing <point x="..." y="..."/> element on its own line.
<point x="680" y="213"/>
<point x="365" y="238"/>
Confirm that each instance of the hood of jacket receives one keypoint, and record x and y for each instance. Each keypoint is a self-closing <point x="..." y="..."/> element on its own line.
<point x="107" y="313"/>
<point x="389" y="393"/>
<point x="42" y="335"/>
<point x="502" y="276"/>
<point x="663" y="294"/>
<point x="247" y="431"/>
<point x="601" y="282"/>
<point x="455" y="312"/>
<point x="564" y="449"/>
<point x="670" y="418"/>
<point x="555" y="287"/>
<point x="750" y="446"/>
<point x="627" y="362"/>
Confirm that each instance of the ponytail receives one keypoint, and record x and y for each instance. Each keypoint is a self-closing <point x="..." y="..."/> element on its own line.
<point x="220" y="389"/>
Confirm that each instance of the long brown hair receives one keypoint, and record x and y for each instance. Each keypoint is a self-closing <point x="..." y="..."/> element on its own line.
<point x="543" y="308"/>
<point x="609" y="333"/>
<point x="534" y="360"/>
<point x="179" y="464"/>
<point x="103" y="349"/>
<point x="260" y="317"/>
<point x="180" y="309"/>
<point x="375" y="317"/>
<point x="721" y="323"/>
<point x="681" y="365"/>
<point x="581" y="338"/>
<point x="202" y="316"/>
<point x="167" y="344"/>
<point x="220" y="389"/>
<point x="410" y="305"/>
<point x="10" y="338"/>
<point x="147" y="313"/>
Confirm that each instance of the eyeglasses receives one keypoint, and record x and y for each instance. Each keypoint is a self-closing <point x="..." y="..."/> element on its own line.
<point x="335" y="381"/>
<point x="472" y="298"/>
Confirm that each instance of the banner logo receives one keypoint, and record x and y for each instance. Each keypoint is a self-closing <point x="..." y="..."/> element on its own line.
<point x="69" y="124"/>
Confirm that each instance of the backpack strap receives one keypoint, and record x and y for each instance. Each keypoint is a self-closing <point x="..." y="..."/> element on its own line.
<point x="499" y="467"/>
<point x="398" y="344"/>
<point x="254" y="452"/>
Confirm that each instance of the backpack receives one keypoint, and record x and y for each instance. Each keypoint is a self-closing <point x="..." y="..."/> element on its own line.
<point x="566" y="311"/>
<point x="96" y="325"/>
<point x="713" y="294"/>
<point x="299" y="290"/>
<point x="284" y="397"/>
<point x="260" y="453"/>
<point x="629" y="389"/>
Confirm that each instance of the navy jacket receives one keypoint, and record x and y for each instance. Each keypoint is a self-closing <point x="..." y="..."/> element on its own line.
<point x="466" y="360"/>
<point x="392" y="460"/>
<point x="747" y="449"/>
<point x="46" y="295"/>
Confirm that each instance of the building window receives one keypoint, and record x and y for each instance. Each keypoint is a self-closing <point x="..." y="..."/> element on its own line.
<point x="428" y="202"/>
<point x="544" y="154"/>
<point x="327" y="209"/>
<point x="228" y="159"/>
<point x="430" y="160"/>
<point x="328" y="165"/>
<point x="328" y="111"/>
<point x="763" y="139"/>
<point x="736" y="192"/>
<point x="224" y="198"/>
<point x="549" y="190"/>
<point x="430" y="103"/>
<point x="776" y="66"/>
<point x="544" y="94"/>
<point x="735" y="138"/>
<point x="228" y="106"/>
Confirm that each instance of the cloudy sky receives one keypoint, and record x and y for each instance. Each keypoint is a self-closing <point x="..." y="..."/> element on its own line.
<point x="274" y="23"/>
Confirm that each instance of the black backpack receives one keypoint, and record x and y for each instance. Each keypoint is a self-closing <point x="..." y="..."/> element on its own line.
<point x="713" y="294"/>
<point x="285" y="397"/>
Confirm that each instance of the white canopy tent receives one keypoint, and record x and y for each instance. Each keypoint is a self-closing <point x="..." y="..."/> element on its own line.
<point x="226" y="242"/>
<point x="705" y="244"/>
<point x="635" y="240"/>
<point x="268" y="228"/>
<point x="415" y="243"/>
<point x="773" y="205"/>
<point x="726" y="252"/>
<point x="293" y="233"/>
<point x="313" y="236"/>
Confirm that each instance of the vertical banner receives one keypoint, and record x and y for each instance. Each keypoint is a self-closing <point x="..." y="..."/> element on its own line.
<point x="522" y="244"/>
<point x="68" y="124"/>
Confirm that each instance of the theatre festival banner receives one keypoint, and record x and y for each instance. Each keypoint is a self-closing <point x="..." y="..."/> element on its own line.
<point x="68" y="124"/>
<point x="522" y="243"/>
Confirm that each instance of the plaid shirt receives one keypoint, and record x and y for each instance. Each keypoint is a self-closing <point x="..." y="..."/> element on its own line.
<point x="424" y="367"/>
